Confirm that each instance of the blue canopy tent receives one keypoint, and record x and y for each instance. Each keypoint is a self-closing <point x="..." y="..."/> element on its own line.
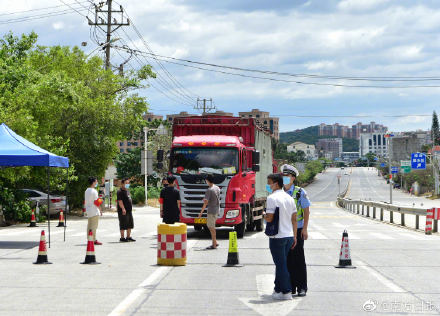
<point x="15" y="151"/>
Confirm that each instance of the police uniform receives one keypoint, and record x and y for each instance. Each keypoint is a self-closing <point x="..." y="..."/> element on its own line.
<point x="296" y="262"/>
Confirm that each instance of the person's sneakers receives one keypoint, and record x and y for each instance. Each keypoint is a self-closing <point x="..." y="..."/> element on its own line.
<point x="122" y="239"/>
<point x="302" y="292"/>
<point x="281" y="296"/>
<point x="98" y="243"/>
<point x="130" y="239"/>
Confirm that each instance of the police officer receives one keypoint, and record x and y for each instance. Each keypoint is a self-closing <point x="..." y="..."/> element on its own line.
<point x="296" y="261"/>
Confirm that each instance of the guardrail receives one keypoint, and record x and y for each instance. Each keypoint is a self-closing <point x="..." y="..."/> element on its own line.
<point x="370" y="208"/>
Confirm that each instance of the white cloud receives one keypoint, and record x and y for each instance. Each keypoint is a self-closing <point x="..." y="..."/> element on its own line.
<point x="360" y="5"/>
<point x="58" y="25"/>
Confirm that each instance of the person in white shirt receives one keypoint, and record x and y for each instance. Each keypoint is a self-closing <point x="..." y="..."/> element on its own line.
<point x="281" y="243"/>
<point x="92" y="208"/>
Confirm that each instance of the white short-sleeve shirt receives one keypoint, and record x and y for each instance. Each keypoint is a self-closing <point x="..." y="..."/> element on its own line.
<point x="90" y="196"/>
<point x="287" y="208"/>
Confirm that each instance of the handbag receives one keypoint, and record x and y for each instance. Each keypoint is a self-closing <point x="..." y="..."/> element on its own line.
<point x="272" y="227"/>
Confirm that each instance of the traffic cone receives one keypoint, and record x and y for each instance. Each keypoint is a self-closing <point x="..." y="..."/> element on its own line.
<point x="42" y="251"/>
<point x="61" y="219"/>
<point x="90" y="254"/>
<point x="33" y="222"/>
<point x="233" y="260"/>
<point x="84" y="208"/>
<point x="344" y="255"/>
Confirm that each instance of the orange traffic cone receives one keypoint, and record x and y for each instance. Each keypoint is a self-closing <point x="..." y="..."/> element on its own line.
<point x="42" y="251"/>
<point x="33" y="222"/>
<point x="61" y="219"/>
<point x="344" y="255"/>
<point x="90" y="254"/>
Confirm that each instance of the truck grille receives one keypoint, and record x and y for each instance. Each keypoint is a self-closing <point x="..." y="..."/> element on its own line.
<point x="192" y="195"/>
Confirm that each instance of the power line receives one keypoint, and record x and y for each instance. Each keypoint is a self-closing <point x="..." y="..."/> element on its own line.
<point x="302" y="75"/>
<point x="41" y="16"/>
<point x="293" y="81"/>
<point x="37" y="9"/>
<point x="351" y="116"/>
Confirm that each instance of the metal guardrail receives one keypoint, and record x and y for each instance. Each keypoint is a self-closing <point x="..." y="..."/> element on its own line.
<point x="364" y="207"/>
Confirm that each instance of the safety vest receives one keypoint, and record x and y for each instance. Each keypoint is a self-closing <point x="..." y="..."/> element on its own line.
<point x="296" y="194"/>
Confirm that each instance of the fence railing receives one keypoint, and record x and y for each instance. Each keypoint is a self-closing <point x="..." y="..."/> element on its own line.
<point x="376" y="210"/>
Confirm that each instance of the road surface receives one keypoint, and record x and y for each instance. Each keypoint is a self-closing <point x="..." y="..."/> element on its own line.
<point x="396" y="270"/>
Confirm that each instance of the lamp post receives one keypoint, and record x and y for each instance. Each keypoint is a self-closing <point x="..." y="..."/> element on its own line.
<point x="161" y="130"/>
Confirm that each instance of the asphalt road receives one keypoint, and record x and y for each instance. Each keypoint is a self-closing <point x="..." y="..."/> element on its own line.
<point x="397" y="270"/>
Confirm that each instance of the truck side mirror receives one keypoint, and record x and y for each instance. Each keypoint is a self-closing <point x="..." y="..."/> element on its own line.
<point x="255" y="168"/>
<point x="159" y="155"/>
<point x="255" y="157"/>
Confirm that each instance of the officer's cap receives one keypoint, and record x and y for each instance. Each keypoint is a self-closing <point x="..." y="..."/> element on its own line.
<point x="289" y="169"/>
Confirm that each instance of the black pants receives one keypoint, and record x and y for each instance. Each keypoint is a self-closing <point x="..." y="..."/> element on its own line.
<point x="296" y="264"/>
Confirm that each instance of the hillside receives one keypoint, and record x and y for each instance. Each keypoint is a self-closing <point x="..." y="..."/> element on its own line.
<point x="309" y="135"/>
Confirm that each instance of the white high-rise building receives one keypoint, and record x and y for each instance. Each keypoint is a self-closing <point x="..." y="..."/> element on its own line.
<point x="373" y="142"/>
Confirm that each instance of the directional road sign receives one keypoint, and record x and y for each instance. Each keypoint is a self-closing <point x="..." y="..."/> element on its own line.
<point x="418" y="161"/>
<point x="394" y="169"/>
<point x="382" y="164"/>
<point x="405" y="169"/>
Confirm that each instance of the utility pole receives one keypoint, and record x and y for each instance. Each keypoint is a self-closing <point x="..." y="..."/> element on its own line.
<point x="388" y="136"/>
<point x="109" y="23"/>
<point x="203" y="106"/>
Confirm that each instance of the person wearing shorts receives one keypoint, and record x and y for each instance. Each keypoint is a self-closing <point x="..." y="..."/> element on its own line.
<point x="211" y="202"/>
<point x="125" y="215"/>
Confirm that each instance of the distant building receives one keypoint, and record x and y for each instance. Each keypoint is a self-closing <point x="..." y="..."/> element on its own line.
<point x="353" y="132"/>
<point x="309" y="150"/>
<point x="373" y="142"/>
<point x="220" y="113"/>
<point x="349" y="156"/>
<point x="270" y="123"/>
<point x="170" y="117"/>
<point x="403" y="144"/>
<point x="329" y="148"/>
<point x="150" y="117"/>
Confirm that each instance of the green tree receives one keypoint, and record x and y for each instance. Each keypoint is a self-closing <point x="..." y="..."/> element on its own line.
<point x="128" y="165"/>
<point x="68" y="104"/>
<point x="435" y="132"/>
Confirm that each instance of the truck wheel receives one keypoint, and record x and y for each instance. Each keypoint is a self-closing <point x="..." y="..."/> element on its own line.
<point x="241" y="228"/>
<point x="259" y="225"/>
<point x="198" y="228"/>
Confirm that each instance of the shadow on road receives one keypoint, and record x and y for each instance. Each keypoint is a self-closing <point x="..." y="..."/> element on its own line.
<point x="18" y="244"/>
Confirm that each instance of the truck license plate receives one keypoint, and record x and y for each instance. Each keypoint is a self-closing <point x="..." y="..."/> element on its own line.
<point x="199" y="220"/>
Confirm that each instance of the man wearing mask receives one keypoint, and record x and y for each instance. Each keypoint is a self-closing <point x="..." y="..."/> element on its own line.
<point x="285" y="239"/>
<point x="125" y="215"/>
<point x="170" y="202"/>
<point x="164" y="182"/>
<point x="211" y="202"/>
<point x="92" y="203"/>
<point x="296" y="261"/>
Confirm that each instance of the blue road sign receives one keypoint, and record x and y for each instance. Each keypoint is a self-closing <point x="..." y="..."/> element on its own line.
<point x="394" y="169"/>
<point x="382" y="164"/>
<point x="418" y="161"/>
<point x="375" y="158"/>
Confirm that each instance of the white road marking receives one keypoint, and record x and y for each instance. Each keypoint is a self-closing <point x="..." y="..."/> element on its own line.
<point x="153" y="279"/>
<point x="339" y="225"/>
<point x="381" y="236"/>
<point x="265" y="305"/>
<point x="415" y="236"/>
<point x="316" y="235"/>
<point x="388" y="283"/>
<point x="316" y="227"/>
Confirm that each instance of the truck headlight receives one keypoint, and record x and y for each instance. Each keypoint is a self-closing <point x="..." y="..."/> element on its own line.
<point x="232" y="213"/>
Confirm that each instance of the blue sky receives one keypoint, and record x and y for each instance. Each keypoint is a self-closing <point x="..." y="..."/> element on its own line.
<point x="344" y="38"/>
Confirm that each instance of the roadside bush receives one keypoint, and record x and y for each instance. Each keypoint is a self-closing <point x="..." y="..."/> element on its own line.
<point x="138" y="195"/>
<point x="153" y="192"/>
<point x="15" y="206"/>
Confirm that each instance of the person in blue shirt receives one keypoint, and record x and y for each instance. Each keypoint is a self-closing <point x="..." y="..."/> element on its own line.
<point x="296" y="261"/>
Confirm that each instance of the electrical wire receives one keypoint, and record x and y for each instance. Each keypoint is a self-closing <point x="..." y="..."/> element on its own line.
<point x="41" y="16"/>
<point x="37" y="9"/>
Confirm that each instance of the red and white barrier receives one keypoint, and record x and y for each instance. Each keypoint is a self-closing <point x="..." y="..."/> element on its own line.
<point x="429" y="218"/>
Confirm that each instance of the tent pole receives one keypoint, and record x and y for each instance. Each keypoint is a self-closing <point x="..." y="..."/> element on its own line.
<point x="65" y="206"/>
<point x="48" y="203"/>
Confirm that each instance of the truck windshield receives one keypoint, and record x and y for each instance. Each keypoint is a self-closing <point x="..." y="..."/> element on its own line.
<point x="204" y="160"/>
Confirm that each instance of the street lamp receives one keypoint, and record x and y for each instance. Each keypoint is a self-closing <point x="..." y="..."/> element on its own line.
<point x="161" y="130"/>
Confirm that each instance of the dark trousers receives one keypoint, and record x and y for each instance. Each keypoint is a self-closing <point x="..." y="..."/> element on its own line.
<point x="296" y="264"/>
<point x="279" y="247"/>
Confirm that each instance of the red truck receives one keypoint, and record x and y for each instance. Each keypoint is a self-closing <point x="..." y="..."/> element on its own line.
<point x="238" y="153"/>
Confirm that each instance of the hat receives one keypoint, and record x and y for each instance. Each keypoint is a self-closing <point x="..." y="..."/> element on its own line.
<point x="289" y="169"/>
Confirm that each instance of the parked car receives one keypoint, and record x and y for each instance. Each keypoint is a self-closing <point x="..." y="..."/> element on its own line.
<point x="56" y="202"/>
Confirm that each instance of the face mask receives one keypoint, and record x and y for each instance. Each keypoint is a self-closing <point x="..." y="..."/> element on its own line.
<point x="268" y="188"/>
<point x="96" y="185"/>
<point x="127" y="185"/>
<point x="286" y="180"/>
